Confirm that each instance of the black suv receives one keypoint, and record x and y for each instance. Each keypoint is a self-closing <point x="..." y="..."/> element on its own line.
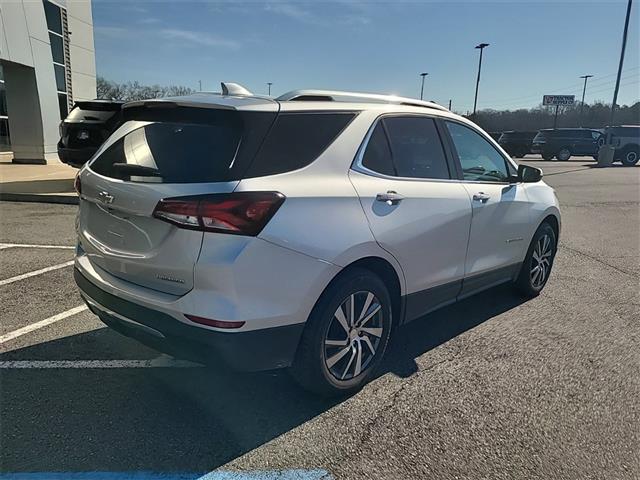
<point x="626" y="139"/>
<point x="564" y="142"/>
<point x="86" y="127"/>
<point x="516" y="143"/>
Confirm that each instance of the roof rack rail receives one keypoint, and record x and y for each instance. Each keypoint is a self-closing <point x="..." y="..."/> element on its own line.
<point x="338" y="96"/>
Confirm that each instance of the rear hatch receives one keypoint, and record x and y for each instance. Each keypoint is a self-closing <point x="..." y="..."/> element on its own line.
<point x="162" y="150"/>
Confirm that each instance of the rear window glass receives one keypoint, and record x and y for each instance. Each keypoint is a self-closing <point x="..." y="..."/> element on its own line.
<point x="172" y="153"/>
<point x="296" y="140"/>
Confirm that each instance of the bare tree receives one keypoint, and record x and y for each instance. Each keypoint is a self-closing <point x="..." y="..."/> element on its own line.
<point x="128" y="91"/>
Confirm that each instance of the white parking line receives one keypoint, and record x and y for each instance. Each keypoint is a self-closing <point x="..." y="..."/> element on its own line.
<point x="36" y="272"/>
<point x="42" y="323"/>
<point x="163" y="361"/>
<point x="23" y="245"/>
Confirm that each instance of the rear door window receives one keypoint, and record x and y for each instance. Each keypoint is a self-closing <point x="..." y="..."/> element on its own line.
<point x="377" y="156"/>
<point x="416" y="148"/>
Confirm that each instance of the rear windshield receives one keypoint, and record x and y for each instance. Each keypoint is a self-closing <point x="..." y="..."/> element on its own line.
<point x="172" y="153"/>
<point x="78" y="115"/>
<point x="218" y="146"/>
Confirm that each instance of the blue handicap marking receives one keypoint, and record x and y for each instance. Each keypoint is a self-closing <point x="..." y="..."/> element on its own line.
<point x="295" y="474"/>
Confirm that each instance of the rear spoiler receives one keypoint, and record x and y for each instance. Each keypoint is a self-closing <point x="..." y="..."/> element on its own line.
<point x="100" y="105"/>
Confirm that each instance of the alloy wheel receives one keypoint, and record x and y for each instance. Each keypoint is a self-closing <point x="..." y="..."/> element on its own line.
<point x="541" y="261"/>
<point x="354" y="335"/>
<point x="632" y="157"/>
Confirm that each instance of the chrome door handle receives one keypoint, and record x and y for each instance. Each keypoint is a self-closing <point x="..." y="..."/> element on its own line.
<point x="390" y="198"/>
<point x="481" y="197"/>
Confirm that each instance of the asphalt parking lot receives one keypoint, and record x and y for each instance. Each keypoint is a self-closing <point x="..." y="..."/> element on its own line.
<point x="494" y="387"/>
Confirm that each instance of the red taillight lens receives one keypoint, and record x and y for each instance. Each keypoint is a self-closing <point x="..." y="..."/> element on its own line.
<point x="77" y="185"/>
<point x="215" y="323"/>
<point x="241" y="213"/>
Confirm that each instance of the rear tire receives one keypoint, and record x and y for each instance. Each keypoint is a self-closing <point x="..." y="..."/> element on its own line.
<point x="342" y="346"/>
<point x="537" y="265"/>
<point x="563" y="154"/>
<point x="629" y="156"/>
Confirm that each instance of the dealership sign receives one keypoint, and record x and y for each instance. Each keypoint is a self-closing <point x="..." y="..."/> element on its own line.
<point x="558" y="100"/>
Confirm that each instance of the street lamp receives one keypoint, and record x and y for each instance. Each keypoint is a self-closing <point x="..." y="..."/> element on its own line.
<point x="269" y="84"/>
<point x="475" y="100"/>
<point x="584" y="89"/>
<point x="424" y="74"/>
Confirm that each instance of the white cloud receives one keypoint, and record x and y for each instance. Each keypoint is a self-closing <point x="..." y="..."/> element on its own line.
<point x="346" y="13"/>
<point x="199" y="38"/>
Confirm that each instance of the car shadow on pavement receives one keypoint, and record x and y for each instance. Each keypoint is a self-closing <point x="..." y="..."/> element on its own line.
<point x="176" y="419"/>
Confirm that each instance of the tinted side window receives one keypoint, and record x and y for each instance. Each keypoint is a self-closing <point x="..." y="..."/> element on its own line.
<point x="377" y="156"/>
<point x="296" y="140"/>
<point x="479" y="160"/>
<point x="416" y="148"/>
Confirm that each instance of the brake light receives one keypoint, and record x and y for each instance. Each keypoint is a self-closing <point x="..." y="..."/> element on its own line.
<point x="77" y="185"/>
<point x="240" y="213"/>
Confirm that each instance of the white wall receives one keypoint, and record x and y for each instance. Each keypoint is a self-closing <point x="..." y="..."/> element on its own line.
<point x="83" y="57"/>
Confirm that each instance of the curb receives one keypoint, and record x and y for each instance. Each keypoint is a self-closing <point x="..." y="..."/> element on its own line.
<point x="39" y="198"/>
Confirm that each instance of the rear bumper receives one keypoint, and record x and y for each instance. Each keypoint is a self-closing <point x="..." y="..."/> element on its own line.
<point x="254" y="350"/>
<point x="76" y="157"/>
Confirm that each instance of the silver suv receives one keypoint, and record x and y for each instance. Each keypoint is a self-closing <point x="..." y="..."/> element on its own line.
<point x="300" y="231"/>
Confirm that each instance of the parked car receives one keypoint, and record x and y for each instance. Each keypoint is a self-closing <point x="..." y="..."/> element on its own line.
<point x="626" y="140"/>
<point x="87" y="126"/>
<point x="562" y="143"/>
<point x="300" y="231"/>
<point x="517" y="143"/>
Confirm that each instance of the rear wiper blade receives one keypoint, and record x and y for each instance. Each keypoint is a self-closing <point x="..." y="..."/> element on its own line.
<point x="134" y="169"/>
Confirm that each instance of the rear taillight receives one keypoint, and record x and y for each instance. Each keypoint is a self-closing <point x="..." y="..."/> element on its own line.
<point x="240" y="213"/>
<point x="77" y="185"/>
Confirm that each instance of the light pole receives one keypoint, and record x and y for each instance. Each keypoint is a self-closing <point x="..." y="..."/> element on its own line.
<point x="481" y="46"/>
<point x="269" y="85"/>
<point x="624" y="46"/>
<point x="584" y="90"/>
<point x="423" y="74"/>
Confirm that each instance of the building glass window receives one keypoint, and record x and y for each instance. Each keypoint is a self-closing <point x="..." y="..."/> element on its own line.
<point x="54" y="17"/>
<point x="53" y="14"/>
<point x="60" y="78"/>
<point x="4" y="116"/>
<point x="64" y="107"/>
<point x="57" y="48"/>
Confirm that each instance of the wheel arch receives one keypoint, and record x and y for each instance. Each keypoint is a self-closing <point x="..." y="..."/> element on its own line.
<point x="552" y="220"/>
<point x="387" y="272"/>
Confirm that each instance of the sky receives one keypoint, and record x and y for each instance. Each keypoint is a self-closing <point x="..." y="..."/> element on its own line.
<point x="536" y="47"/>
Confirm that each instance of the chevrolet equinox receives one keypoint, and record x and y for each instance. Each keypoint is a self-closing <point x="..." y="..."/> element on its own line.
<point x="300" y="231"/>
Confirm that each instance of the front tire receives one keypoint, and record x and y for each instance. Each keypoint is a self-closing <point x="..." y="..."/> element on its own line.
<point x="346" y="335"/>
<point x="537" y="265"/>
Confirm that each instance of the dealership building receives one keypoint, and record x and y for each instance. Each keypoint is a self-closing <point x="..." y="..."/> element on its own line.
<point x="47" y="62"/>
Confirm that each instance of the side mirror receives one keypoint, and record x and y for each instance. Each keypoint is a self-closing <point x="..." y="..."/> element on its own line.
<point x="528" y="174"/>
